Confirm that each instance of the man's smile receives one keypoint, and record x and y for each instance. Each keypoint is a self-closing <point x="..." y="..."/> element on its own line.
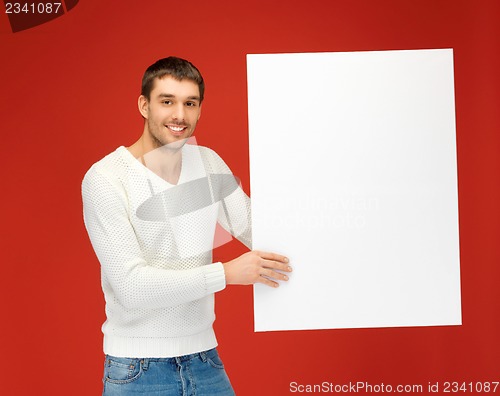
<point x="176" y="129"/>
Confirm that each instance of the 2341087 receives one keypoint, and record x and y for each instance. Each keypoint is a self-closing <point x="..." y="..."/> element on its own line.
<point x="32" y="8"/>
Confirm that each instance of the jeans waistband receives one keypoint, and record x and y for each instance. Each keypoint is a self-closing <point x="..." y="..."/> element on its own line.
<point x="175" y="360"/>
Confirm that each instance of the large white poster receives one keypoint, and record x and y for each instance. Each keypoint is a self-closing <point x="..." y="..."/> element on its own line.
<point x="353" y="176"/>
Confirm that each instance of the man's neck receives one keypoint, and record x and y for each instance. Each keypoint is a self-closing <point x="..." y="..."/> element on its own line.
<point x="165" y="161"/>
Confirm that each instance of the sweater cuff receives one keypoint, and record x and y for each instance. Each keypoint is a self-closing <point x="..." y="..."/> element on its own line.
<point x="215" y="277"/>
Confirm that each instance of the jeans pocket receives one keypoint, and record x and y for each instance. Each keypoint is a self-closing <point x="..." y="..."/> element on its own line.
<point x="122" y="370"/>
<point x="214" y="359"/>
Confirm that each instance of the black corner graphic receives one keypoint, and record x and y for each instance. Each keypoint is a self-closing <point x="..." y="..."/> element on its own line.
<point x="28" y="14"/>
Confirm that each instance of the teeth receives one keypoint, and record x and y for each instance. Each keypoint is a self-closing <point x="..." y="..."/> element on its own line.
<point x="175" y="129"/>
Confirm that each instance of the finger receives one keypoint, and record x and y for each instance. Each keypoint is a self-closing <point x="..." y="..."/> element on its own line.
<point x="272" y="256"/>
<point x="268" y="273"/>
<point x="267" y="282"/>
<point x="276" y="265"/>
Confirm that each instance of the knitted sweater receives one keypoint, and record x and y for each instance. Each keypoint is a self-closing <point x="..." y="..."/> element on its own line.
<point x="154" y="242"/>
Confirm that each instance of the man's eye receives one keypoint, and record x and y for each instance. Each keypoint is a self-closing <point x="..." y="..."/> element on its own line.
<point x="167" y="102"/>
<point x="190" y="104"/>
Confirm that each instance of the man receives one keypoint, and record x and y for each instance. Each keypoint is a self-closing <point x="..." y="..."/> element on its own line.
<point x="151" y="211"/>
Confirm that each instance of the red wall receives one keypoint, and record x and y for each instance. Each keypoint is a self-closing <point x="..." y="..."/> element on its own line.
<point x="69" y="90"/>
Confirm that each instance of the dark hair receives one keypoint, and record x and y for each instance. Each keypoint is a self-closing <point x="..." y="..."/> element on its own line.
<point x="177" y="68"/>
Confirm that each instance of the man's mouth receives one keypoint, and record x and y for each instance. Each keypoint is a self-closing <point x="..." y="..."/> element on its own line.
<point x="176" y="129"/>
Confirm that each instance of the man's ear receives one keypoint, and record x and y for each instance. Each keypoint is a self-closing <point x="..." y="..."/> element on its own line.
<point x="143" y="104"/>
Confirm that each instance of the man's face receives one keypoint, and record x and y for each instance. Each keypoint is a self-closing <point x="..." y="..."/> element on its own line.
<point x="172" y="111"/>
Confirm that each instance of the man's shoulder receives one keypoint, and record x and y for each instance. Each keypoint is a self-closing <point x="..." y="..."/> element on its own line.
<point x="112" y="166"/>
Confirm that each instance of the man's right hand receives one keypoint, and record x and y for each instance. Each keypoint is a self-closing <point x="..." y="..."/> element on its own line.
<point x="257" y="267"/>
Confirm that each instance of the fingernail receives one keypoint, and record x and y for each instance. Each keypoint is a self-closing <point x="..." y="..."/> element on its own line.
<point x="276" y="285"/>
<point x="289" y="269"/>
<point x="285" y="260"/>
<point x="285" y="278"/>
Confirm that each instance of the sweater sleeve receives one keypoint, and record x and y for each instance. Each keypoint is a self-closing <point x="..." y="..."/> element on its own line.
<point x="235" y="216"/>
<point x="235" y="210"/>
<point x="134" y="283"/>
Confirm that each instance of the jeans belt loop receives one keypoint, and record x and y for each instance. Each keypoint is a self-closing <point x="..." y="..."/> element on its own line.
<point x="145" y="364"/>
<point x="203" y="356"/>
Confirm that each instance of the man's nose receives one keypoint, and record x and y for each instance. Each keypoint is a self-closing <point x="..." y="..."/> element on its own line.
<point x="178" y="113"/>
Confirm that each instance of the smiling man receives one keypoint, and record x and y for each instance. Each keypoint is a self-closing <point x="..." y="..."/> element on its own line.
<point x="151" y="211"/>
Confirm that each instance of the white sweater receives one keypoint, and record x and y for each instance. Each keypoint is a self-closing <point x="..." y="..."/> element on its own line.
<point x="154" y="242"/>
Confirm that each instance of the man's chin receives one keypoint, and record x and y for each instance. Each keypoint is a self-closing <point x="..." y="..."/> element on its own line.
<point x="175" y="145"/>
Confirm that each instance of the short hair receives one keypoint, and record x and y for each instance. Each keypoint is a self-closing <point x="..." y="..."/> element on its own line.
<point x="177" y="68"/>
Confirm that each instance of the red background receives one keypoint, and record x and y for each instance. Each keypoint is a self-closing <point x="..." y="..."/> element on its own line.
<point x="69" y="90"/>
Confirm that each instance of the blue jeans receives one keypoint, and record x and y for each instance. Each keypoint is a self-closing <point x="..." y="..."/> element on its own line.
<point x="196" y="374"/>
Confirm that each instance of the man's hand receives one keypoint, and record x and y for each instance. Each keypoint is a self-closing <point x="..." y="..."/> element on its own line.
<point x="255" y="266"/>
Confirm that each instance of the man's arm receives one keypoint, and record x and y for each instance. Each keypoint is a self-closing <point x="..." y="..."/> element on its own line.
<point x="139" y="285"/>
<point x="135" y="283"/>
<point x="235" y="216"/>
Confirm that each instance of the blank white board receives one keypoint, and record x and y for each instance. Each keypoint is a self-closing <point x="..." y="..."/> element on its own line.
<point x="354" y="177"/>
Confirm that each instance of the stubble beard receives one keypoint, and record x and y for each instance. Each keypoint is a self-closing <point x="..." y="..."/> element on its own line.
<point x="156" y="131"/>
